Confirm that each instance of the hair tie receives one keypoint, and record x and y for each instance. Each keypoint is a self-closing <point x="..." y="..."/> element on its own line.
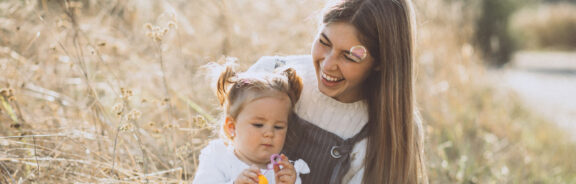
<point x="243" y="82"/>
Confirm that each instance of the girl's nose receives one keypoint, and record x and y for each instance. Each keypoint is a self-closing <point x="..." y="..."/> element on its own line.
<point x="268" y="133"/>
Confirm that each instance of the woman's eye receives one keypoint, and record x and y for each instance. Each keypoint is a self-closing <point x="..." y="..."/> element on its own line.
<point x="257" y="125"/>
<point x="323" y="43"/>
<point x="279" y="127"/>
<point x="352" y="58"/>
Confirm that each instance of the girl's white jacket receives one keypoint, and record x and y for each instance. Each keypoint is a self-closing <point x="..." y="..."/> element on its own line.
<point x="219" y="165"/>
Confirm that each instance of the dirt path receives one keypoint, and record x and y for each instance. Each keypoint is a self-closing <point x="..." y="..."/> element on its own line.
<point x="546" y="82"/>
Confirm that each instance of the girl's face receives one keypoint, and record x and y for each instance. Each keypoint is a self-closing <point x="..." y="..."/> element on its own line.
<point x="260" y="129"/>
<point x="339" y="76"/>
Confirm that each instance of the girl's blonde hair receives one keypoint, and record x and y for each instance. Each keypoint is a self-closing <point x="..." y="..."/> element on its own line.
<point x="235" y="90"/>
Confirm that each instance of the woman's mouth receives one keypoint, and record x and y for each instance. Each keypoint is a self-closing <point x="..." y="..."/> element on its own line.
<point x="330" y="80"/>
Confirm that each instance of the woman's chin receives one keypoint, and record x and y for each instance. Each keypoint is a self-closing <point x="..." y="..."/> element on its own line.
<point x="328" y="92"/>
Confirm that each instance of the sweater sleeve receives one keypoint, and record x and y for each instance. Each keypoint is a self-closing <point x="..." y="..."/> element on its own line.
<point x="208" y="170"/>
<point x="269" y="63"/>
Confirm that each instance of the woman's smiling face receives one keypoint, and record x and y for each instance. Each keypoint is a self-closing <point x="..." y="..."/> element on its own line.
<point x="339" y="75"/>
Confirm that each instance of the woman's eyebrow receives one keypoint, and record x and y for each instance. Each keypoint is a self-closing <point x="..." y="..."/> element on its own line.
<point x="326" y="37"/>
<point x="329" y="42"/>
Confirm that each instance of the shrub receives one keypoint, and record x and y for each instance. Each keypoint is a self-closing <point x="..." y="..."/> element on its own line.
<point x="492" y="36"/>
<point x="550" y="26"/>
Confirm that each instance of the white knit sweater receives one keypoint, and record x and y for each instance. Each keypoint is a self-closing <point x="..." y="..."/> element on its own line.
<point x="342" y="119"/>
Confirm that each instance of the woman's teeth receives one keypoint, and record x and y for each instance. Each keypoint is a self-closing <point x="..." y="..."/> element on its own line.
<point x="330" y="78"/>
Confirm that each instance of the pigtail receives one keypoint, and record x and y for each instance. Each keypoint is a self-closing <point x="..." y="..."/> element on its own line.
<point x="295" y="83"/>
<point x="224" y="81"/>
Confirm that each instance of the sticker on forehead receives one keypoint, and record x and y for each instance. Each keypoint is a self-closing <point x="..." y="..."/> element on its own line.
<point x="358" y="53"/>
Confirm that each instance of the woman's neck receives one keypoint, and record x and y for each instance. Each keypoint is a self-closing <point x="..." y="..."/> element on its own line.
<point x="348" y="99"/>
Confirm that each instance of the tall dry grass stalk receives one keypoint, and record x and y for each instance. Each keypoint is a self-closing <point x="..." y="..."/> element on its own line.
<point x="90" y="95"/>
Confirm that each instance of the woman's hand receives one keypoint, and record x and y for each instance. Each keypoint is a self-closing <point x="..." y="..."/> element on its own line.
<point x="248" y="176"/>
<point x="286" y="175"/>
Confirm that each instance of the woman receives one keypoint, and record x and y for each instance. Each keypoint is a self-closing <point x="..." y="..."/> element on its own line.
<point x="356" y="120"/>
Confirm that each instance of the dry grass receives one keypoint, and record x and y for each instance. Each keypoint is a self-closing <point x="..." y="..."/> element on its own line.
<point x="110" y="91"/>
<point x="478" y="133"/>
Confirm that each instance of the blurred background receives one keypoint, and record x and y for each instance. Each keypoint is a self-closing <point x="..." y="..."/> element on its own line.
<point x="113" y="91"/>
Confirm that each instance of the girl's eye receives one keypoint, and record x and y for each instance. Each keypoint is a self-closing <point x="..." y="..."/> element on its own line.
<point x="323" y="43"/>
<point x="257" y="125"/>
<point x="279" y="127"/>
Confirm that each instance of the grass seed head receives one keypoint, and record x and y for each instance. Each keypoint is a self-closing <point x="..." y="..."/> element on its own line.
<point x="126" y="127"/>
<point x="7" y="92"/>
<point x="172" y="25"/>
<point x="118" y="108"/>
<point x="134" y="115"/>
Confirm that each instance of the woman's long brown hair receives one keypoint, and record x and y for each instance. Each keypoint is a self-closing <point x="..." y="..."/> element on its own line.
<point x="394" y="153"/>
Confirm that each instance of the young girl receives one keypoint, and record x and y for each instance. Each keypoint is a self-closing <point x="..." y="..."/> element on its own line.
<point x="256" y="108"/>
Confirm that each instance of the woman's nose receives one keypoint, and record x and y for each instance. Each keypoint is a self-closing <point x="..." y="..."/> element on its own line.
<point x="330" y="61"/>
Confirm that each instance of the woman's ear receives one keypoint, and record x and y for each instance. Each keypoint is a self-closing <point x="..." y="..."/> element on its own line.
<point x="230" y="127"/>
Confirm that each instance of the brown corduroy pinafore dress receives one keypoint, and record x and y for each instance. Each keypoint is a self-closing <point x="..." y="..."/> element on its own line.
<point x="327" y="155"/>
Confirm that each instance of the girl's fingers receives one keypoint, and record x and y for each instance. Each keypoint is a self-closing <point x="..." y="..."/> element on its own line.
<point x="276" y="168"/>
<point x="254" y="169"/>
<point x="243" y="179"/>
<point x="285" y="163"/>
<point x="252" y="173"/>
<point x="286" y="176"/>
<point x="286" y="172"/>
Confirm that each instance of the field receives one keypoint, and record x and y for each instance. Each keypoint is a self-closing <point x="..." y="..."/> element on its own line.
<point x="114" y="92"/>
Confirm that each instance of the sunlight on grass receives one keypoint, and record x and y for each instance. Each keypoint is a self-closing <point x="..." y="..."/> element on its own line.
<point x="111" y="91"/>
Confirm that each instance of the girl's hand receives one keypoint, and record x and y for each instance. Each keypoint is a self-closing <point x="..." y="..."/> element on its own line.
<point x="248" y="176"/>
<point x="286" y="175"/>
